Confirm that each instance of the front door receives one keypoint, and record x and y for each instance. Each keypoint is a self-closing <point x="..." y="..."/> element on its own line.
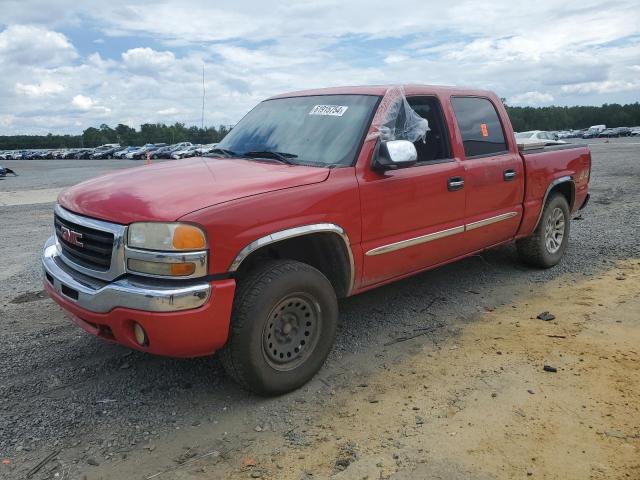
<point x="413" y="218"/>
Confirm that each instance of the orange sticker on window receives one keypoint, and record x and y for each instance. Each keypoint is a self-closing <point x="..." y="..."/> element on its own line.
<point x="485" y="130"/>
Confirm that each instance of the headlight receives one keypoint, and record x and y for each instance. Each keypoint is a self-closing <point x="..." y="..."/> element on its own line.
<point x="166" y="236"/>
<point x="166" y="250"/>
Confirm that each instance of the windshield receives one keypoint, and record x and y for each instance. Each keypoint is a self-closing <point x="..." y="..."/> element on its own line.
<point x="318" y="130"/>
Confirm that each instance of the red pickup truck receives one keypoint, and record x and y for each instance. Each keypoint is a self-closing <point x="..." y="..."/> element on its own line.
<point x="313" y="196"/>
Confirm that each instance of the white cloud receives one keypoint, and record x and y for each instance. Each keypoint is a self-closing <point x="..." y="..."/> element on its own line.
<point x="7" y="120"/>
<point x="85" y="103"/>
<point x="607" y="86"/>
<point x="395" y="58"/>
<point x="533" y="54"/>
<point x="168" y="111"/>
<point x="31" y="45"/>
<point x="41" y="89"/>
<point x="147" y="61"/>
<point x="82" y="102"/>
<point x="531" y="98"/>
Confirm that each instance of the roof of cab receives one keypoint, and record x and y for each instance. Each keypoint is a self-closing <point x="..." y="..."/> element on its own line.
<point x="379" y="90"/>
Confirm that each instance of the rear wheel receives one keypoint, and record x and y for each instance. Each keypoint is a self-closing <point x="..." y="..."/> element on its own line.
<point x="282" y="328"/>
<point x="546" y="246"/>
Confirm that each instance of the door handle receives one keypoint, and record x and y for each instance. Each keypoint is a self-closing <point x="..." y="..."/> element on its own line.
<point x="455" y="183"/>
<point x="509" y="174"/>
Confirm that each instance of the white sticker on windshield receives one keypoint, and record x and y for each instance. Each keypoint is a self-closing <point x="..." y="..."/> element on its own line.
<point x="331" y="110"/>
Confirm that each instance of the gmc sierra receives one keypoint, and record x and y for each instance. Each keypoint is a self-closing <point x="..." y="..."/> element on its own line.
<point x="312" y="196"/>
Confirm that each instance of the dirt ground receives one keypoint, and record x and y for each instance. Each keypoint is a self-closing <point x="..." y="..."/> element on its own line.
<point x="478" y="405"/>
<point x="482" y="405"/>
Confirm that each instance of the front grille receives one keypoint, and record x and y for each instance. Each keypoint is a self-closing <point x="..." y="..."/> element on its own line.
<point x="97" y="246"/>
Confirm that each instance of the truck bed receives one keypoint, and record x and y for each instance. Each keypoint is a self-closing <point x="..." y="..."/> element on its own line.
<point x="536" y="147"/>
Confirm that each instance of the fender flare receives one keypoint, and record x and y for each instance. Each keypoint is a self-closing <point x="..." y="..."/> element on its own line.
<point x="558" y="181"/>
<point x="300" y="231"/>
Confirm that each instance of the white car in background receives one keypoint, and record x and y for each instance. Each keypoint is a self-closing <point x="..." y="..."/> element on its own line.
<point x="538" y="136"/>
<point x="204" y="149"/>
<point x="185" y="152"/>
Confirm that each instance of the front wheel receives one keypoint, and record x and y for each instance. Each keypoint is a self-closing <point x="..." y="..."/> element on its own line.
<point x="546" y="246"/>
<point x="283" y="326"/>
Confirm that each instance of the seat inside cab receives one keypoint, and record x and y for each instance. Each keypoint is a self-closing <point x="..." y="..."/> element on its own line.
<point x="436" y="143"/>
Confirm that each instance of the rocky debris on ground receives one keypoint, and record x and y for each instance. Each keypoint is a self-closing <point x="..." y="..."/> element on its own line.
<point x="348" y="453"/>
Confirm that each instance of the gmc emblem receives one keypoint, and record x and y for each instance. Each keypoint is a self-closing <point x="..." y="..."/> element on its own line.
<point x="71" y="237"/>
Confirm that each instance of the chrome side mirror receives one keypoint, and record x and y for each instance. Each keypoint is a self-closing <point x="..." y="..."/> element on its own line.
<point x="394" y="154"/>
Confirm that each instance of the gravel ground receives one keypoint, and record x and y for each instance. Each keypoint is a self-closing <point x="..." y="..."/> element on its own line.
<point x="100" y="407"/>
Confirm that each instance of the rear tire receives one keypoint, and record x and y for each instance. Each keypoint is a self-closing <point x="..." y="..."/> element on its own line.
<point x="546" y="246"/>
<point x="283" y="326"/>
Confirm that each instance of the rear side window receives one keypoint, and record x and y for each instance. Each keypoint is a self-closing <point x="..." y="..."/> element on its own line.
<point x="479" y="125"/>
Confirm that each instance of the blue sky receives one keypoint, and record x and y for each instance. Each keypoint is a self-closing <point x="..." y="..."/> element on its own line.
<point x="68" y="65"/>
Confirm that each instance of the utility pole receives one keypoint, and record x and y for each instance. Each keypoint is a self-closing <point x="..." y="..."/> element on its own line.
<point x="203" y="92"/>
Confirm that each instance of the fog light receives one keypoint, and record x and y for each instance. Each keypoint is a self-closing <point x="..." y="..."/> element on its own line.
<point x="140" y="334"/>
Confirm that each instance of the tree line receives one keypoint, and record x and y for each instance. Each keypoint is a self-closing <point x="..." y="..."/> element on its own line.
<point x="122" y="134"/>
<point x="522" y="118"/>
<point x="564" y="118"/>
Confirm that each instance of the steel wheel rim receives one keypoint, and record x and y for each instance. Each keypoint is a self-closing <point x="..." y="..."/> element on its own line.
<point x="554" y="230"/>
<point x="291" y="332"/>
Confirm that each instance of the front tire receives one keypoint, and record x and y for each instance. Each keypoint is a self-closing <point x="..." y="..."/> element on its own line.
<point x="283" y="326"/>
<point x="546" y="246"/>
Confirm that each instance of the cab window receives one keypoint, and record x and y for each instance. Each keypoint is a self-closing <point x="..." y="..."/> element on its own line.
<point x="479" y="125"/>
<point x="436" y="143"/>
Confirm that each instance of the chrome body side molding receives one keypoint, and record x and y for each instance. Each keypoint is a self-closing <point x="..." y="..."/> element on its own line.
<point x="392" y="247"/>
<point x="297" y="232"/>
<point x="410" y="242"/>
<point x="490" y="220"/>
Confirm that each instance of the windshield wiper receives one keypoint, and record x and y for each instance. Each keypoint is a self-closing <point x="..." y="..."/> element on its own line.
<point x="280" y="156"/>
<point x="225" y="153"/>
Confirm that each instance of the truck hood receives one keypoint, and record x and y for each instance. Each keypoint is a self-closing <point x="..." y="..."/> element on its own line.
<point x="169" y="190"/>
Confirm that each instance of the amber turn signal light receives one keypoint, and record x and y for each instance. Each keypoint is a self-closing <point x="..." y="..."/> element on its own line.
<point x="182" y="269"/>
<point x="160" y="268"/>
<point x="188" y="237"/>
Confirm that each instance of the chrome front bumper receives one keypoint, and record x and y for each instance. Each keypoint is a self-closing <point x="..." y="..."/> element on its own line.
<point x="99" y="296"/>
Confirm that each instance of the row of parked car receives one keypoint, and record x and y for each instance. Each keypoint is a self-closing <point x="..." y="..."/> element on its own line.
<point x="613" y="132"/>
<point x="114" y="150"/>
<point x="596" y="131"/>
<point x="599" y="131"/>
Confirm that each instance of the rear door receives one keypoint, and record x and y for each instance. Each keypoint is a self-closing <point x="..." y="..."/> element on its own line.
<point x="493" y="174"/>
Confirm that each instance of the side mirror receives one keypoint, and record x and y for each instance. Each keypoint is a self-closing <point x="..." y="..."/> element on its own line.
<point x="394" y="154"/>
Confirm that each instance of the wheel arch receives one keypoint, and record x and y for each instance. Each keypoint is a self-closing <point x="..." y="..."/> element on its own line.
<point x="566" y="187"/>
<point x="324" y="246"/>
